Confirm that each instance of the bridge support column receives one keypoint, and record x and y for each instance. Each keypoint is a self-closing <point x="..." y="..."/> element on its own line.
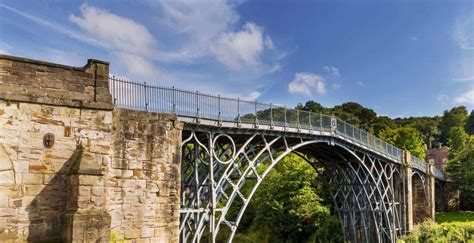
<point x="430" y="188"/>
<point x="408" y="196"/>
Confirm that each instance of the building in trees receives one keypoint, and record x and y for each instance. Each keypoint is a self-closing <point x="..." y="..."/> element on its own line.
<point x="439" y="155"/>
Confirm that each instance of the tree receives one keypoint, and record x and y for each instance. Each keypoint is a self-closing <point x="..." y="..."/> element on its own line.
<point x="288" y="206"/>
<point x="470" y="124"/>
<point x="456" y="117"/>
<point x="355" y="114"/>
<point x="380" y="124"/>
<point x="406" y="138"/>
<point x="314" y="106"/>
<point x="461" y="164"/>
<point x="456" y="140"/>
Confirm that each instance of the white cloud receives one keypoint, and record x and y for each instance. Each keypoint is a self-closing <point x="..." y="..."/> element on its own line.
<point x="54" y="26"/>
<point x="199" y="31"/>
<point x="306" y="83"/>
<point x="332" y="72"/>
<point x="467" y="79"/>
<point x="269" y="42"/>
<point x="4" y="52"/>
<point x="242" y="48"/>
<point x="465" y="98"/>
<point x="130" y="42"/>
<point x="210" y="30"/>
<point x="201" y="20"/>
<point x="138" y="65"/>
<point x="442" y="98"/>
<point x="360" y="83"/>
<point x="119" y="32"/>
<point x="336" y="86"/>
<point x="464" y="31"/>
<point x="251" y="96"/>
<point x="124" y="37"/>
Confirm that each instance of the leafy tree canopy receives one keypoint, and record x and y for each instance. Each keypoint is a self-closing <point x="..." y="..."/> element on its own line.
<point x="470" y="124"/>
<point x="456" y="117"/>
<point x="406" y="138"/>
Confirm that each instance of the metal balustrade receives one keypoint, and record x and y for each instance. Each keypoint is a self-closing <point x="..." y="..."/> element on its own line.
<point x="418" y="163"/>
<point x="198" y="105"/>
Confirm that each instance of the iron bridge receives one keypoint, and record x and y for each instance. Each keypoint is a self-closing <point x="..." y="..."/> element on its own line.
<point x="228" y="143"/>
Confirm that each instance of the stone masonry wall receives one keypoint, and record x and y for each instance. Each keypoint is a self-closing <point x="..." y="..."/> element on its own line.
<point x="106" y="168"/>
<point x="144" y="178"/>
<point x="33" y="188"/>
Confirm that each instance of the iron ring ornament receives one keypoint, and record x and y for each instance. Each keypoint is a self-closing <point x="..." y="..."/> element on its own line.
<point x="215" y="145"/>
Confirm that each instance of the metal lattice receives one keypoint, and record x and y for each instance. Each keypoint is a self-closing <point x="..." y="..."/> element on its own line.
<point x="216" y="165"/>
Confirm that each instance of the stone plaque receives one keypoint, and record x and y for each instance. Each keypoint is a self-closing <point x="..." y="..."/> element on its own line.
<point x="48" y="140"/>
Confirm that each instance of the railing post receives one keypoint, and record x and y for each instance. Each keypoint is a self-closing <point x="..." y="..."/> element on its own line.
<point x="286" y="120"/>
<point x="309" y="122"/>
<point x="271" y="116"/>
<point x="219" y="108"/>
<point x="174" y="100"/>
<point x="146" y="98"/>
<point x="256" y="119"/>
<point x="298" y="124"/>
<point x="320" y="122"/>
<point x="333" y="124"/>
<point x="345" y="129"/>
<point x="238" y="112"/>
<point x="114" y="90"/>
<point x="197" y="107"/>
<point x="353" y="133"/>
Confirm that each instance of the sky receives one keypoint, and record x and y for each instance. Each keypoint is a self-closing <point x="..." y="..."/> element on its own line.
<point x="399" y="58"/>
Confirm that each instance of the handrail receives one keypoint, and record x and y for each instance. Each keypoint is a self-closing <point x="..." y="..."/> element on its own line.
<point x="127" y="94"/>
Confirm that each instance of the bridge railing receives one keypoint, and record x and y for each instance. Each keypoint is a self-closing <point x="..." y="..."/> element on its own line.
<point x="198" y="105"/>
<point x="418" y="163"/>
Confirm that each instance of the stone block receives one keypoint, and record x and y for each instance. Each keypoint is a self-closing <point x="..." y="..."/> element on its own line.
<point x="86" y="228"/>
<point x="7" y="178"/>
<point x="132" y="233"/>
<point x="32" y="179"/>
<point x="33" y="190"/>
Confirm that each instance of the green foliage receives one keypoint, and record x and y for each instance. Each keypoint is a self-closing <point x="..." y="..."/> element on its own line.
<point x="470" y="124"/>
<point x="461" y="216"/>
<point x="456" y="141"/>
<point x="427" y="126"/>
<point x="461" y="164"/>
<point x="406" y="138"/>
<point x="445" y="232"/>
<point x="314" y="107"/>
<point x="381" y="123"/>
<point x="355" y="114"/>
<point x="288" y="207"/>
<point x="456" y="117"/>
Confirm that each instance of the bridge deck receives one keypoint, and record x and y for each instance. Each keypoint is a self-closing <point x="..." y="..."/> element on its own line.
<point x="217" y="111"/>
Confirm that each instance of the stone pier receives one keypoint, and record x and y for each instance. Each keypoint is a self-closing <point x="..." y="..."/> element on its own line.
<point x="73" y="168"/>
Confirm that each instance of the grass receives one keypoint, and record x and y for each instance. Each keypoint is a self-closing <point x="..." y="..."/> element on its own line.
<point x="461" y="216"/>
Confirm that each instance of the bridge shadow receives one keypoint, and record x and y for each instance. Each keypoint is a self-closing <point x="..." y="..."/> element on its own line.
<point x="47" y="207"/>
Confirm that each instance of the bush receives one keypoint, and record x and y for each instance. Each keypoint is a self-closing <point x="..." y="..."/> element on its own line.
<point x="444" y="232"/>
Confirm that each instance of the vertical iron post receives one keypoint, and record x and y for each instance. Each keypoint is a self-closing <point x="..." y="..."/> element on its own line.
<point x="173" y="97"/>
<point x="271" y="116"/>
<point x="146" y="97"/>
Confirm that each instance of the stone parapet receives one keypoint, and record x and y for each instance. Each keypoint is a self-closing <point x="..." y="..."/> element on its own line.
<point x="39" y="82"/>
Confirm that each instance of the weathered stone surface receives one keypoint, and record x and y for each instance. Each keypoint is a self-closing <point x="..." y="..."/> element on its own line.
<point x="86" y="228"/>
<point x="35" y="81"/>
<point x="137" y="174"/>
<point x="106" y="171"/>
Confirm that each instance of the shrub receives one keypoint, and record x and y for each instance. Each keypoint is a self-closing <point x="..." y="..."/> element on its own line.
<point x="444" y="232"/>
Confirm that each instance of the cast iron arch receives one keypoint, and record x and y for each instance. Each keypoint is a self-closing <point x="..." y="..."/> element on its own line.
<point x="365" y="198"/>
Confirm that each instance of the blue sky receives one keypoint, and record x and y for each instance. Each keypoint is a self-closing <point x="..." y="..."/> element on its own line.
<point x="400" y="58"/>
